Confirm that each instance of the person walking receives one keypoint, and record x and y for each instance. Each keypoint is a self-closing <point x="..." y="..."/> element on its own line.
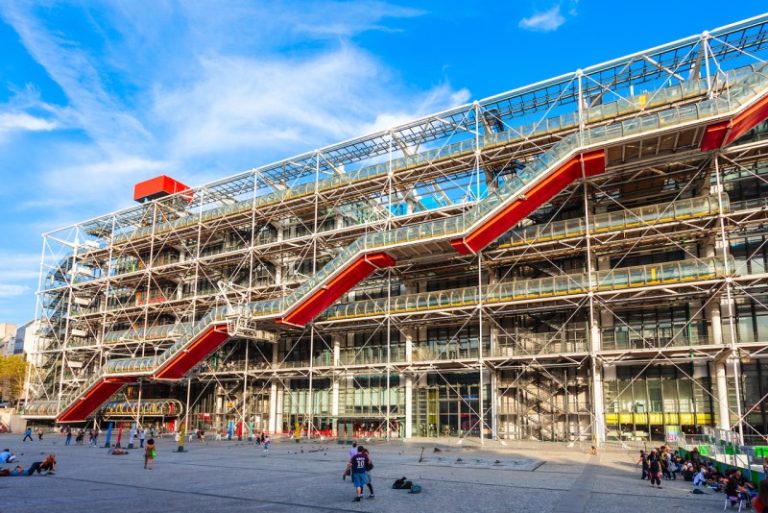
<point x="368" y="468"/>
<point x="352" y="453"/>
<point x="654" y="469"/>
<point x="68" y="440"/>
<point x="356" y="466"/>
<point x="265" y="446"/>
<point x="39" y="434"/>
<point x="149" y="453"/>
<point x="27" y="434"/>
<point x="141" y="438"/>
<point x="644" y="462"/>
<point x="95" y="436"/>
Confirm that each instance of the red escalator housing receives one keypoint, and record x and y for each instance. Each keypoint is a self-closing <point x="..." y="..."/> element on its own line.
<point x="593" y="163"/>
<point x="748" y="119"/>
<point x="94" y="397"/>
<point x="724" y="133"/>
<point x="350" y="276"/>
<point x="203" y="345"/>
<point x="714" y="135"/>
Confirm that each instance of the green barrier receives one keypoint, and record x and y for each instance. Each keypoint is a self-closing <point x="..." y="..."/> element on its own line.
<point x="704" y="451"/>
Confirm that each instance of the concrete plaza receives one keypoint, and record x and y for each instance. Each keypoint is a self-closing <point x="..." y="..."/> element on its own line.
<point x="235" y="477"/>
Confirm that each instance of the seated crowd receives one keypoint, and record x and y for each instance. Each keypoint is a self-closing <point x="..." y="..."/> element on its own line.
<point x="703" y="473"/>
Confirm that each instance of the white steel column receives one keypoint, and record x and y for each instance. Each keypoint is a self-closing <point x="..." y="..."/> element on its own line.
<point x="335" y="384"/>
<point x="408" y="383"/>
<point x="598" y="407"/>
<point x="272" y="426"/>
<point x="723" y="412"/>
<point x="729" y="304"/>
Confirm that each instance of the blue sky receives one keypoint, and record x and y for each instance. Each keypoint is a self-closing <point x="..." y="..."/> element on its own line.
<point x="95" y="96"/>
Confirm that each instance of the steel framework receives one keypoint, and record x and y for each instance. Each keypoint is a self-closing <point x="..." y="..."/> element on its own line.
<point x="578" y="259"/>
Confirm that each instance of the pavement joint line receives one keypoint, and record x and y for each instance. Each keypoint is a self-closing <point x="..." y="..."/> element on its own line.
<point x="380" y="476"/>
<point x="212" y="495"/>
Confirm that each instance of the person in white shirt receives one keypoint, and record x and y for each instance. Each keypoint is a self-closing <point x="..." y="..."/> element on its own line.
<point x="700" y="478"/>
<point x="352" y="454"/>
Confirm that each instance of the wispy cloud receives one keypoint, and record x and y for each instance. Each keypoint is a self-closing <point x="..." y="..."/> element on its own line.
<point x="73" y="69"/>
<point x="22" y="121"/>
<point x="546" y="21"/>
<point x="286" y="104"/>
<point x="197" y="90"/>
<point x="7" y="291"/>
<point x="17" y="271"/>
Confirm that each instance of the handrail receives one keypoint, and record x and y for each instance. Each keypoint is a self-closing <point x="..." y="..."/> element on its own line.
<point x="535" y="288"/>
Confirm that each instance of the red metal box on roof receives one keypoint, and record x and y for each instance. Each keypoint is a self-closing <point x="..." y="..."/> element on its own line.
<point x="158" y="187"/>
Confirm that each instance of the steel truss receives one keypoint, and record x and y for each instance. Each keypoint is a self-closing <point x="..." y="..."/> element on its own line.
<point x="127" y="283"/>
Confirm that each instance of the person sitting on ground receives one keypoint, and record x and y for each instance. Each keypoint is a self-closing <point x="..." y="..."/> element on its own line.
<point x="760" y="503"/>
<point x="49" y="464"/>
<point x="688" y="471"/>
<point x="117" y="451"/>
<point x="17" y="471"/>
<point x="700" y="479"/>
<point x="7" y="456"/>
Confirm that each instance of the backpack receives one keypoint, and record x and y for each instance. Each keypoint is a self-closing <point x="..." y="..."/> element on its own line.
<point x="402" y="484"/>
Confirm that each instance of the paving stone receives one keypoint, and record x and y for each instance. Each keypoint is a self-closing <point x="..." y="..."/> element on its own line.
<point x="235" y="477"/>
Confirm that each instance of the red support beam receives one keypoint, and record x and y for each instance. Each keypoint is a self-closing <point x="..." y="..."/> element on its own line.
<point x="94" y="397"/>
<point x="593" y="164"/>
<point x="354" y="273"/>
<point x="203" y="345"/>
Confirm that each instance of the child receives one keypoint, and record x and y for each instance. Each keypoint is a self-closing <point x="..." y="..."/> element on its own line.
<point x="149" y="453"/>
<point x="265" y="445"/>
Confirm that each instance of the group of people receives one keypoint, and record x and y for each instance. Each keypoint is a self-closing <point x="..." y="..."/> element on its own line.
<point x="660" y="463"/>
<point x="48" y="465"/>
<point x="359" y="468"/>
<point x="93" y="436"/>
<point x="28" y="434"/>
<point x="663" y="463"/>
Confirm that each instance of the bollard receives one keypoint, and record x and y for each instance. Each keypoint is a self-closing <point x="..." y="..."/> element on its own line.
<point x="109" y="435"/>
<point x="180" y="448"/>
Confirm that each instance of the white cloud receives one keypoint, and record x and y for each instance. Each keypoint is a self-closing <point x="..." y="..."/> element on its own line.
<point x="17" y="271"/>
<point x="547" y="21"/>
<point x="288" y="104"/>
<point x="72" y="68"/>
<point x="103" y="183"/>
<point x="7" y="290"/>
<point x="22" y="121"/>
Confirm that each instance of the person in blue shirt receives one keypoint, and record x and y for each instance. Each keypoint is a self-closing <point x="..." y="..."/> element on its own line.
<point x="27" y="434"/>
<point x="7" y="456"/>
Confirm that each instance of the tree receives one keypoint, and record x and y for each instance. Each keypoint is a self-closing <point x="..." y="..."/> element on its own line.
<point x="13" y="372"/>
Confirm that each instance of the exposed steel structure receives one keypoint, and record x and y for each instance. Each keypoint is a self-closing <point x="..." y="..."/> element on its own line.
<point x="578" y="259"/>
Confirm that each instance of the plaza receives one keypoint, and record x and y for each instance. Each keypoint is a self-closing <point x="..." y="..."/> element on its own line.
<point x="305" y="477"/>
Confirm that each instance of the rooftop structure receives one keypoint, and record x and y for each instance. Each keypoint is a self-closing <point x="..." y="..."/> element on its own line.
<point x="581" y="258"/>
